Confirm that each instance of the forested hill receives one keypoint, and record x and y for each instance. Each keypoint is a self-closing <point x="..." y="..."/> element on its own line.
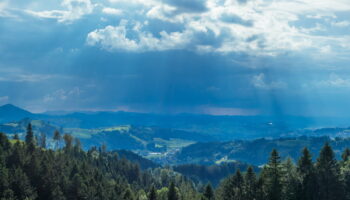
<point x="30" y="171"/>
<point x="255" y="151"/>
<point x="212" y="173"/>
<point x="133" y="157"/>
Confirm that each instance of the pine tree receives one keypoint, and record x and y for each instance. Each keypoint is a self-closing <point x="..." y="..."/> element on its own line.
<point x="260" y="193"/>
<point x="291" y="184"/>
<point x="328" y="173"/>
<point x="78" y="188"/>
<point x="77" y="145"/>
<point x="305" y="165"/>
<point x="152" y="194"/>
<point x="42" y="140"/>
<point x="208" y="192"/>
<point x="21" y="185"/>
<point x="68" y="140"/>
<point x="345" y="155"/>
<point x="239" y="185"/>
<point x="30" y="141"/>
<point x="250" y="184"/>
<point x="172" y="193"/>
<point x="227" y="188"/>
<point x="8" y="195"/>
<point x="233" y="187"/>
<point x="128" y="195"/>
<point x="162" y="194"/>
<point x="4" y="142"/>
<point x="16" y="137"/>
<point x="345" y="173"/>
<point x="17" y="156"/>
<point x="104" y="148"/>
<point x="274" y="175"/>
<point x="57" y="138"/>
<point x="306" y="171"/>
<point x="4" y="177"/>
<point x="57" y="194"/>
<point x="30" y="134"/>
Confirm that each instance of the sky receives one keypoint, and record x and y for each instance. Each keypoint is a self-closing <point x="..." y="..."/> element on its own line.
<point x="219" y="57"/>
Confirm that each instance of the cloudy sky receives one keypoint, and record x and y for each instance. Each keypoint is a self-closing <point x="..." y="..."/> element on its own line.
<point x="222" y="57"/>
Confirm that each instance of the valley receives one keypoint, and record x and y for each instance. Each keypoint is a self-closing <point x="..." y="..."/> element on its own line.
<point x="156" y="139"/>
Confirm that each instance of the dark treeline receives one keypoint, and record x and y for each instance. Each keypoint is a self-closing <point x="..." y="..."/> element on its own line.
<point x="326" y="179"/>
<point x="212" y="173"/>
<point x="30" y="171"/>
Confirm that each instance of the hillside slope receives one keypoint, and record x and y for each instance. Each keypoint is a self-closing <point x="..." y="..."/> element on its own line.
<point x="10" y="112"/>
<point x="253" y="151"/>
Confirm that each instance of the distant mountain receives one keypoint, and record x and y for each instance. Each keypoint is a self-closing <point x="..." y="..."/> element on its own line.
<point x="222" y="128"/>
<point x="57" y="112"/>
<point x="219" y="127"/>
<point x="10" y="112"/>
<point x="20" y="127"/>
<point x="256" y="151"/>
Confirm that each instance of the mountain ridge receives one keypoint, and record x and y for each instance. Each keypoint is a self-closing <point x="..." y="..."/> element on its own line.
<point x="10" y="112"/>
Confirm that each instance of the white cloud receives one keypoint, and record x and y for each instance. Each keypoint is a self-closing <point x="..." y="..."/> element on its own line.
<point x="259" y="81"/>
<point x="162" y="12"/>
<point x="256" y="27"/>
<point x="319" y="16"/>
<point x="115" y="38"/>
<point x="3" y="5"/>
<point x="137" y="2"/>
<point x="3" y="11"/>
<point x="21" y="76"/>
<point x="334" y="81"/>
<point x="341" y="23"/>
<point x="25" y="77"/>
<point x="74" y="9"/>
<point x="112" y="38"/>
<point x="62" y="95"/>
<point x="6" y="11"/>
<point x="112" y="11"/>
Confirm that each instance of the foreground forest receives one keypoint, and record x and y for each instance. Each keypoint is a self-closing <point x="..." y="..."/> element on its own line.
<point x="28" y="170"/>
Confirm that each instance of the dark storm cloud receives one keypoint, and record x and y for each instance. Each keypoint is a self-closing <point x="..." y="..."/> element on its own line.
<point x="47" y="65"/>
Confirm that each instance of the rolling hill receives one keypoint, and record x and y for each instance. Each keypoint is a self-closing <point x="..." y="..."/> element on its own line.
<point x="255" y="151"/>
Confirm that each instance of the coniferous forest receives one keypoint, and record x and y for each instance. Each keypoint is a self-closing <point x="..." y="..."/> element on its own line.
<point x="29" y="170"/>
